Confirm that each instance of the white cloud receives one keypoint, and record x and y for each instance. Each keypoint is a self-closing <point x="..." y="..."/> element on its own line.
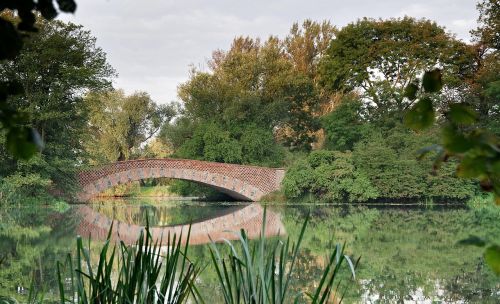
<point x="464" y="23"/>
<point x="416" y="10"/>
<point x="152" y="43"/>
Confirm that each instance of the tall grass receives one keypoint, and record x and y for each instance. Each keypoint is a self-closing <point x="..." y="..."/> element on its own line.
<point x="261" y="272"/>
<point x="252" y="272"/>
<point x="143" y="273"/>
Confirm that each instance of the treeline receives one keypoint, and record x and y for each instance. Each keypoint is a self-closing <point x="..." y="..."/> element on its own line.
<point x="326" y="103"/>
<point x="342" y="93"/>
<point x="81" y="120"/>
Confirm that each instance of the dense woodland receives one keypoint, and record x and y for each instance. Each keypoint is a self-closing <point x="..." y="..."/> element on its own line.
<point x="327" y="103"/>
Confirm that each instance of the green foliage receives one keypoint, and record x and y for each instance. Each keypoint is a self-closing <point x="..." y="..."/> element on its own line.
<point x="344" y="126"/>
<point x="477" y="149"/>
<point x="421" y="115"/>
<point x="389" y="160"/>
<point x="22" y="141"/>
<point x="211" y="141"/>
<point x="383" y="58"/>
<point x="35" y="179"/>
<point x="257" y="94"/>
<point x="145" y="275"/>
<point x="329" y="176"/>
<point x="489" y="24"/>
<point x="432" y="82"/>
<point x="492" y="257"/>
<point x="463" y="136"/>
<point x="55" y="67"/>
<point x="263" y="273"/>
<point x="119" y="124"/>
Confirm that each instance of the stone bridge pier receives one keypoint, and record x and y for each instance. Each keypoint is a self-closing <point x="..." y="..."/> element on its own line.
<point x="241" y="182"/>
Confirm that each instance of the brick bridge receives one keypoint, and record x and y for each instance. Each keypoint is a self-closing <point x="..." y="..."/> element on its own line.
<point x="250" y="218"/>
<point x="247" y="183"/>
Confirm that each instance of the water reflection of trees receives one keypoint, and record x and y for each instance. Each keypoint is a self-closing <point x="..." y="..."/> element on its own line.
<point x="31" y="241"/>
<point x="405" y="253"/>
<point x="158" y="213"/>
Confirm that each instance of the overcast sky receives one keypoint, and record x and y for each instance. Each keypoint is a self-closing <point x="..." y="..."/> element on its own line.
<point x="152" y="43"/>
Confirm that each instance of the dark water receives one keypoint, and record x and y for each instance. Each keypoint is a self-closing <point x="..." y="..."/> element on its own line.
<point x="408" y="255"/>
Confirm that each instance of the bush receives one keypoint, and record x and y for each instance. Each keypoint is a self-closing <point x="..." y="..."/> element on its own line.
<point x="329" y="176"/>
<point x="390" y="161"/>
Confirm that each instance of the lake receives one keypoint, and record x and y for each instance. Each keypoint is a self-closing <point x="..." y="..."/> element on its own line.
<point x="409" y="254"/>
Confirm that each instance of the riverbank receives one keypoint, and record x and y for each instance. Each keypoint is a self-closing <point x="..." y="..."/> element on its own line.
<point x="136" y="190"/>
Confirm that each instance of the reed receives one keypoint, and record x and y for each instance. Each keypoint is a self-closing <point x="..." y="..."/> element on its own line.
<point x="252" y="272"/>
<point x="261" y="272"/>
<point x="143" y="273"/>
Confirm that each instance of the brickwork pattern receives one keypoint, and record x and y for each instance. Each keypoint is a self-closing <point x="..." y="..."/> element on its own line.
<point x="249" y="218"/>
<point x="239" y="181"/>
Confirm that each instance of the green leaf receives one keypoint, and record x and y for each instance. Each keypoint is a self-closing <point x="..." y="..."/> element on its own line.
<point x="454" y="141"/>
<point x="472" y="166"/>
<point x="68" y="6"/>
<point x="461" y="114"/>
<point x="421" y="115"/>
<point x="411" y="91"/>
<point x="492" y="258"/>
<point x="22" y="142"/>
<point x="432" y="81"/>
<point x="473" y="240"/>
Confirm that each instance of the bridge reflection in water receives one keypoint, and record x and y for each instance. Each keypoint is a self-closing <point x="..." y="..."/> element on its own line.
<point x="250" y="218"/>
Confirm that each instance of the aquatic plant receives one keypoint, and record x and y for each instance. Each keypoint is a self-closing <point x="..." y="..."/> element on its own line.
<point x="137" y="274"/>
<point x="159" y="271"/>
<point x="261" y="272"/>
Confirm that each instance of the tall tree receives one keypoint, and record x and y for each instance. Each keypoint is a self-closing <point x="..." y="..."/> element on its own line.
<point x="55" y="68"/>
<point x="269" y="85"/>
<point x="484" y="81"/>
<point x="488" y="32"/>
<point x="380" y="58"/>
<point x="307" y="43"/>
<point x="21" y="140"/>
<point x="120" y="124"/>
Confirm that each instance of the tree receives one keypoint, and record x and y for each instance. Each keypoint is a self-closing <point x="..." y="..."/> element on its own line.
<point x="344" y="126"/>
<point x="488" y="32"/>
<point x="120" y="124"/>
<point x="484" y="81"/>
<point x="55" y="68"/>
<point x="390" y="161"/>
<point x="21" y="141"/>
<point x="329" y="176"/>
<point x="305" y="45"/>
<point x="380" y="58"/>
<point x="271" y="85"/>
<point x="476" y="148"/>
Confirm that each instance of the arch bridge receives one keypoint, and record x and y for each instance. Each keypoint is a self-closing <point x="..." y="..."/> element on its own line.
<point x="241" y="182"/>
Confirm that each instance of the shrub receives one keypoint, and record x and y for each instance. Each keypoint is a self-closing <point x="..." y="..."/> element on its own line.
<point x="328" y="175"/>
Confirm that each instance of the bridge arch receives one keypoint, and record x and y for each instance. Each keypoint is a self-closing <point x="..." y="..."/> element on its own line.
<point x="246" y="183"/>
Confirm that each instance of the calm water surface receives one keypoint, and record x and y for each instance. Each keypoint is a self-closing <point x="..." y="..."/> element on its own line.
<point x="408" y="255"/>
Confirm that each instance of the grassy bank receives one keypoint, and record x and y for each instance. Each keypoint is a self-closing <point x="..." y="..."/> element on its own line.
<point x="136" y="190"/>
